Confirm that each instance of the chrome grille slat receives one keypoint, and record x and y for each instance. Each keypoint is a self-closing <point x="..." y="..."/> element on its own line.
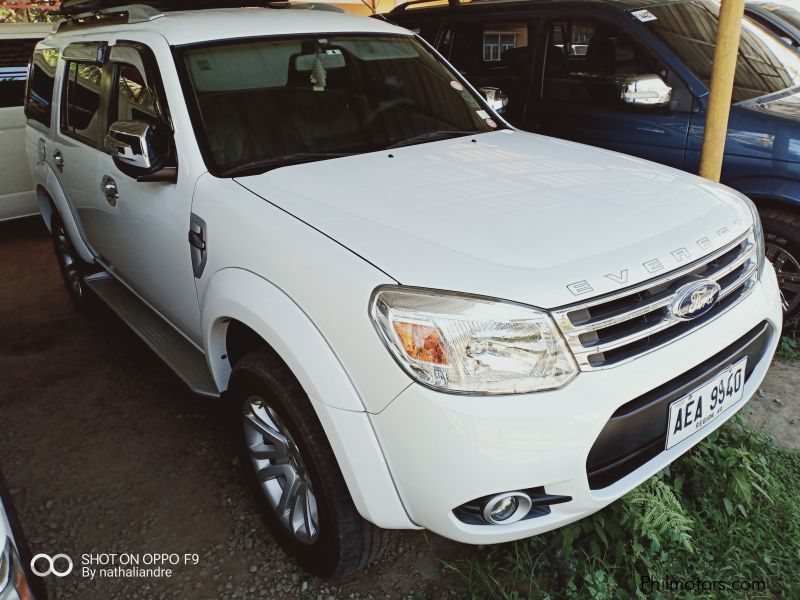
<point x="609" y="330"/>
<point x="624" y="341"/>
<point x="739" y="282"/>
<point x="621" y="318"/>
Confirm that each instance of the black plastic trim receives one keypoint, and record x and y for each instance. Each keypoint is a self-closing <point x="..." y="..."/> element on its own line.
<point x="636" y="433"/>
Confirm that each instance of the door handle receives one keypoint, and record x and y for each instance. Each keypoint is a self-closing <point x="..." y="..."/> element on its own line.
<point x="197" y="244"/>
<point x="58" y="159"/>
<point x="109" y="188"/>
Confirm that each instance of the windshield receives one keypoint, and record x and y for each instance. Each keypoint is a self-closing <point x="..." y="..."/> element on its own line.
<point x="764" y="65"/>
<point x="267" y="102"/>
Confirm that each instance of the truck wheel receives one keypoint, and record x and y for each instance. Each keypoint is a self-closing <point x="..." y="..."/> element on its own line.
<point x="73" y="268"/>
<point x="293" y="471"/>
<point x="782" y="237"/>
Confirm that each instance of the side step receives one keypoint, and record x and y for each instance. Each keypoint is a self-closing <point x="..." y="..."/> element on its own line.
<point x="181" y="356"/>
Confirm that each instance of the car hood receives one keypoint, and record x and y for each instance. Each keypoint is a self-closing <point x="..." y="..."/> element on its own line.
<point x="510" y="214"/>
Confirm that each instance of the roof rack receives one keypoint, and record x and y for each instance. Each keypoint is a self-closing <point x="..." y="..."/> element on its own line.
<point x="402" y="7"/>
<point x="77" y="7"/>
<point x="79" y="14"/>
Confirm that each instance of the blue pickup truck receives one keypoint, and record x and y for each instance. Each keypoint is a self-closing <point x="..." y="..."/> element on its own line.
<point x="633" y="76"/>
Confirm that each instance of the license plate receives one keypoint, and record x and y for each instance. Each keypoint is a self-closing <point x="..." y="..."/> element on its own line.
<point x="703" y="406"/>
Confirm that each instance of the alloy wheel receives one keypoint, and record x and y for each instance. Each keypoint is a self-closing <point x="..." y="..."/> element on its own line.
<point x="280" y="470"/>
<point x="787" y="268"/>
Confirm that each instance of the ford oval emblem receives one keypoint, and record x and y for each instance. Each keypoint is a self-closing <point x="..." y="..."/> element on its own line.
<point x="695" y="299"/>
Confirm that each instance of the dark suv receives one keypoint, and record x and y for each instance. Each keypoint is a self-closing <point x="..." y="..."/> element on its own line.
<point x="633" y="76"/>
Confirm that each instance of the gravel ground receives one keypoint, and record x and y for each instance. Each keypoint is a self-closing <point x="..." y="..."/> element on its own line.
<point x="106" y="452"/>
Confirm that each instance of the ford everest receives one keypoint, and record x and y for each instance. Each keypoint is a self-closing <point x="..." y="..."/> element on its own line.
<point x="418" y="315"/>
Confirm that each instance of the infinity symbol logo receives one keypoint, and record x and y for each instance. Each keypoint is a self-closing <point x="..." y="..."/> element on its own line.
<point x="51" y="562"/>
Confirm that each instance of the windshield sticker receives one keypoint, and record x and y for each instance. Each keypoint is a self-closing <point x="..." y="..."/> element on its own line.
<point x="457" y="86"/>
<point x="491" y="123"/>
<point x="482" y="114"/>
<point x="644" y="15"/>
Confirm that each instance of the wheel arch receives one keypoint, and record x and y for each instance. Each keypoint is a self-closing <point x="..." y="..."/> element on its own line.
<point x="51" y="197"/>
<point x="234" y="306"/>
<point x="769" y="192"/>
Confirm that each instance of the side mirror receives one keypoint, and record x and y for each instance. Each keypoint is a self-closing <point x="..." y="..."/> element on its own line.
<point x="645" y="90"/>
<point x="142" y="150"/>
<point x="496" y="98"/>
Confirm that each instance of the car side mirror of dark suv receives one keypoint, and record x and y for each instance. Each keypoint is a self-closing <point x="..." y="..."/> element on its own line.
<point x="645" y="90"/>
<point x="495" y="97"/>
<point x="143" y="150"/>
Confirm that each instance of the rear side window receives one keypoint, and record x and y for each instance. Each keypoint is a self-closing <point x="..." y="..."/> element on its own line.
<point x="14" y="58"/>
<point x="41" y="80"/>
<point x="81" y="111"/>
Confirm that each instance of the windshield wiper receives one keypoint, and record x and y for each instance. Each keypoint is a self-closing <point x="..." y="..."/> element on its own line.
<point x="263" y="165"/>
<point x="431" y="136"/>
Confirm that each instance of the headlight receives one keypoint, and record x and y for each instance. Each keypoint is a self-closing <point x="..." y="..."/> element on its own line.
<point x="462" y="344"/>
<point x="758" y="231"/>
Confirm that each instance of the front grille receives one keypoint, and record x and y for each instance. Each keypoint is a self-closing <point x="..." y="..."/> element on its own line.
<point x="613" y="329"/>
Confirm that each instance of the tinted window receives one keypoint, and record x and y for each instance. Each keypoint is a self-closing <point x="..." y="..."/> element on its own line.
<point x="587" y="61"/>
<point x="494" y="54"/>
<point x="270" y="99"/>
<point x="14" y="58"/>
<point x="40" y="86"/>
<point x="81" y="116"/>
<point x="764" y="64"/>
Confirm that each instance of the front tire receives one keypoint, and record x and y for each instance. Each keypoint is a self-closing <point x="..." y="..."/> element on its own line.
<point x="294" y="473"/>
<point x="782" y="237"/>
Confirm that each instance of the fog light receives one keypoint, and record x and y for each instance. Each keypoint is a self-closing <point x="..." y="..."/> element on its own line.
<point x="504" y="509"/>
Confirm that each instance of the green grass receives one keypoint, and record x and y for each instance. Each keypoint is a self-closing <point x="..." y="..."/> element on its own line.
<point x="789" y="348"/>
<point x="727" y="511"/>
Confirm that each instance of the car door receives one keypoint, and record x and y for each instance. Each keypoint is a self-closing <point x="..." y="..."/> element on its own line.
<point x="17" y="198"/>
<point x="146" y="223"/>
<point x="585" y="62"/>
<point x="495" y="55"/>
<point x="75" y="150"/>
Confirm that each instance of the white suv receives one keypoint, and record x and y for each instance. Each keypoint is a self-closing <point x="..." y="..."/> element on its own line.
<point x="419" y="316"/>
<point x="16" y="46"/>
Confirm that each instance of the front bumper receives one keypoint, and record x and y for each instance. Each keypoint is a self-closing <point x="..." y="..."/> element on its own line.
<point x="445" y="450"/>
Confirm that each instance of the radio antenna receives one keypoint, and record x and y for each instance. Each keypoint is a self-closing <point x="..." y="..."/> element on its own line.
<point x="375" y="13"/>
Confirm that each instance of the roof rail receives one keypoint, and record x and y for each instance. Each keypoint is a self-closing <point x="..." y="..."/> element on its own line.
<point x="74" y="7"/>
<point x="123" y="13"/>
<point x="402" y="7"/>
<point x="79" y="14"/>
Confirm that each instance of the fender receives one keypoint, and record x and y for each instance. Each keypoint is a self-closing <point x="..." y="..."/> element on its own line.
<point x="775" y="190"/>
<point x="50" y="191"/>
<point x="239" y="294"/>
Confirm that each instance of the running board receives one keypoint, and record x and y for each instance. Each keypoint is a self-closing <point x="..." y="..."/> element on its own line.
<point x="181" y="356"/>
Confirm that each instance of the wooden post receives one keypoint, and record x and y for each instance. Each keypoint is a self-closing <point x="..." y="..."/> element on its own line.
<point x="731" y="13"/>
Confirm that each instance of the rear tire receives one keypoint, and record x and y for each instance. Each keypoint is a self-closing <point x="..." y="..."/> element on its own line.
<point x="782" y="237"/>
<point x="73" y="268"/>
<point x="285" y="451"/>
